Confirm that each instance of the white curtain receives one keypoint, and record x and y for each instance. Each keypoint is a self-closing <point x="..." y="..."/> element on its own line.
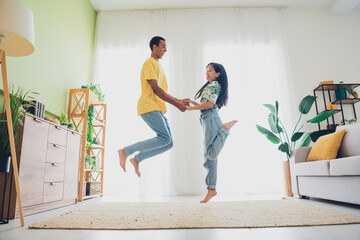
<point x="248" y="42"/>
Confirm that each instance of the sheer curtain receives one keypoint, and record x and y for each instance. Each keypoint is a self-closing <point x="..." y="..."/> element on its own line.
<point x="248" y="42"/>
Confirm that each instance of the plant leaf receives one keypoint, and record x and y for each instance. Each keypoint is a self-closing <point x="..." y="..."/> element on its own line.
<point x="306" y="104"/>
<point x="269" y="135"/>
<point x="315" y="135"/>
<point x="296" y="136"/>
<point x="306" y="140"/>
<point x="284" y="147"/>
<point x="272" y="123"/>
<point x="271" y="108"/>
<point x="277" y="108"/>
<point x="321" y="116"/>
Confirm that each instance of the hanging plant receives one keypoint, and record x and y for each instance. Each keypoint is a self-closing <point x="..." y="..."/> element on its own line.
<point x="97" y="90"/>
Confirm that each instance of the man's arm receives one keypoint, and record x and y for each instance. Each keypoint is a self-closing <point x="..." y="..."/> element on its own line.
<point x="164" y="96"/>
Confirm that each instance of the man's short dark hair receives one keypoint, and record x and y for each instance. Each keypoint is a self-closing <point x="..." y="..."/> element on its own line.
<point x="155" y="40"/>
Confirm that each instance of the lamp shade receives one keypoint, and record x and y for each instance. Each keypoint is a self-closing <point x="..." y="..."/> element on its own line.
<point x="17" y="25"/>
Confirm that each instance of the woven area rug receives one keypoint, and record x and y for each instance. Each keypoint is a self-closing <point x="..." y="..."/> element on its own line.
<point x="186" y="215"/>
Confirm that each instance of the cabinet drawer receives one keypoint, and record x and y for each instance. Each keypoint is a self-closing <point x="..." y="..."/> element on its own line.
<point x="54" y="172"/>
<point x="55" y="153"/>
<point x="53" y="191"/>
<point x="57" y="135"/>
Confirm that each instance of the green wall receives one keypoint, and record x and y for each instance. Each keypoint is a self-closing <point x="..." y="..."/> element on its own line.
<point x="64" y="49"/>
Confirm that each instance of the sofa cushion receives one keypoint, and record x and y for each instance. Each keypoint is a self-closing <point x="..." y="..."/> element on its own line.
<point x="316" y="168"/>
<point x="350" y="145"/>
<point x="345" y="166"/>
<point x="326" y="147"/>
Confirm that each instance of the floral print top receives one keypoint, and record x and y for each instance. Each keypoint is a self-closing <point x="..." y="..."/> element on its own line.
<point x="211" y="93"/>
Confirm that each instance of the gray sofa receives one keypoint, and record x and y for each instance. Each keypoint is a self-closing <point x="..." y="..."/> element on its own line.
<point x="337" y="179"/>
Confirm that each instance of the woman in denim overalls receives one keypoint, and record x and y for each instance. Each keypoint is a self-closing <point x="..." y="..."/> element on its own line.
<point x="213" y="95"/>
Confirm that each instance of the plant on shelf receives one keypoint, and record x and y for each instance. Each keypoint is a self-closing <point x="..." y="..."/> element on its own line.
<point x="90" y="161"/>
<point x="63" y="119"/>
<point x="95" y="141"/>
<point x="71" y="126"/>
<point x="352" y="121"/>
<point x="352" y="91"/>
<point x="19" y="101"/>
<point x="278" y="134"/>
<point x="97" y="90"/>
<point x="91" y="130"/>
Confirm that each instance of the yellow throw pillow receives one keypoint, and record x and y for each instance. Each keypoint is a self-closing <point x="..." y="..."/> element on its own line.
<point x="326" y="147"/>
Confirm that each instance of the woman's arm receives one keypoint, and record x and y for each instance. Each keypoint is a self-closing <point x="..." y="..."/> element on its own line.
<point x="203" y="106"/>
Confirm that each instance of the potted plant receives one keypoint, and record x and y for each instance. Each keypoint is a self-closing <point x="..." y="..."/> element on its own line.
<point x="278" y="134"/>
<point x="71" y="126"/>
<point x="352" y="92"/>
<point x="63" y="119"/>
<point x="90" y="162"/>
<point x="97" y="90"/>
<point x="352" y="121"/>
<point x="19" y="101"/>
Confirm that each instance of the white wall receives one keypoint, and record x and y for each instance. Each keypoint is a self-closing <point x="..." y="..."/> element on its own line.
<point x="323" y="46"/>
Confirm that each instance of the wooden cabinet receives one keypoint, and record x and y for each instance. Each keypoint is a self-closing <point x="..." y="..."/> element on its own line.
<point x="48" y="159"/>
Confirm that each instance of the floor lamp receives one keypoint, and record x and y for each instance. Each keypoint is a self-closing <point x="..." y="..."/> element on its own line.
<point x="16" y="39"/>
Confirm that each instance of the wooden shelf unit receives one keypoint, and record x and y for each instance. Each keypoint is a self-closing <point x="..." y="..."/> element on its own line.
<point x="79" y="102"/>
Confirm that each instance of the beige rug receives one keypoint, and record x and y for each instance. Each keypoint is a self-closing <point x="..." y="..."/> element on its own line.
<point x="184" y="215"/>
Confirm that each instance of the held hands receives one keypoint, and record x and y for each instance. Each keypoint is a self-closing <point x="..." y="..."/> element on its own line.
<point x="184" y="104"/>
<point x="182" y="107"/>
<point x="187" y="102"/>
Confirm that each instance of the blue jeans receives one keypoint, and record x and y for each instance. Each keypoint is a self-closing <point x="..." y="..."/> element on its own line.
<point x="214" y="139"/>
<point x="153" y="146"/>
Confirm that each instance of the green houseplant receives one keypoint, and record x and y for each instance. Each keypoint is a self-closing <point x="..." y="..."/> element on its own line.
<point x="71" y="126"/>
<point x="95" y="87"/>
<point x="19" y="101"/>
<point x="63" y="119"/>
<point x="352" y="91"/>
<point x="278" y="134"/>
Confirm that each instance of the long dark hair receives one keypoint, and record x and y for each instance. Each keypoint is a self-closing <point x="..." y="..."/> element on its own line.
<point x="223" y="81"/>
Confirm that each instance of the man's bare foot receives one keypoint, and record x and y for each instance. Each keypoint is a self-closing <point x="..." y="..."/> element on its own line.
<point x="136" y="166"/>
<point x="122" y="157"/>
<point x="229" y="125"/>
<point x="211" y="193"/>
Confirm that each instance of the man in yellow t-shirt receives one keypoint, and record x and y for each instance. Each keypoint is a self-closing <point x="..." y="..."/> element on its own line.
<point x="151" y="107"/>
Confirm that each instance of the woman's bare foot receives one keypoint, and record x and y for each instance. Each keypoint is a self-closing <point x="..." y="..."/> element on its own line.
<point x="211" y="193"/>
<point x="122" y="157"/>
<point x="136" y="166"/>
<point x="229" y="125"/>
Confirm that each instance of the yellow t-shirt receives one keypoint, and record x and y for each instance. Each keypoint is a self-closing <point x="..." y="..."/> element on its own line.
<point x="149" y="101"/>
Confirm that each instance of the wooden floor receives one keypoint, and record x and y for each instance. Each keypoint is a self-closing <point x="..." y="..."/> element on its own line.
<point x="13" y="230"/>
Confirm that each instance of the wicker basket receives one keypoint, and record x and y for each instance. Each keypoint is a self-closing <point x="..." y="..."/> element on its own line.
<point x="93" y="188"/>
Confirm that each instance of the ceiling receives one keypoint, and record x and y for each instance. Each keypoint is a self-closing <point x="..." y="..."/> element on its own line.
<point x="333" y="6"/>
